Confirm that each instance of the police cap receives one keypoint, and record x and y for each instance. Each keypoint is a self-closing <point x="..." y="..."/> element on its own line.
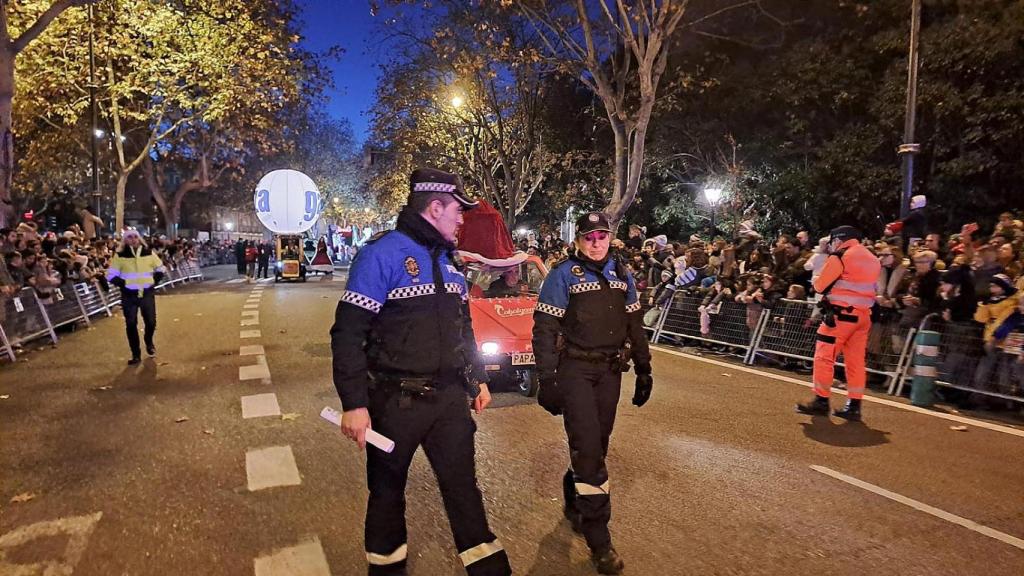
<point x="592" y="222"/>
<point x="844" y="233"/>
<point x="434" y="180"/>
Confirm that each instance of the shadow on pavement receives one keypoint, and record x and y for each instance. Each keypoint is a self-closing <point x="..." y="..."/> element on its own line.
<point x="844" y="435"/>
<point x="554" y="554"/>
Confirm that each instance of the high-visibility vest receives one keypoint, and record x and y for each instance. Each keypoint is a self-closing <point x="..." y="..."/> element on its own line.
<point x="856" y="286"/>
<point x="136" y="270"/>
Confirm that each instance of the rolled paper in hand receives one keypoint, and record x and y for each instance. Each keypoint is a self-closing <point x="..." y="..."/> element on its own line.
<point x="380" y="441"/>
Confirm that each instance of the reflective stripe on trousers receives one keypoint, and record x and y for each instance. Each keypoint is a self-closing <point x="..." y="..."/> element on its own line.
<point x="584" y="489"/>
<point x="400" y="553"/>
<point x="480" y="551"/>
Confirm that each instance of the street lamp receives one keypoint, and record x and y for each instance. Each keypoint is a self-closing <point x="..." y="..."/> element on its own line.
<point x="457" y="101"/>
<point x="228" y="226"/>
<point x="713" y="195"/>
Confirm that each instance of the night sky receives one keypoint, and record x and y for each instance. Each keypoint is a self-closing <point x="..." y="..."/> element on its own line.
<point x="347" y="23"/>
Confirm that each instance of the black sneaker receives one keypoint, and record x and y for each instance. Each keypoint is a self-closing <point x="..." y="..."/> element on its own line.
<point x="607" y="561"/>
<point x="151" y="350"/>
<point x="816" y="407"/>
<point x="135" y="360"/>
<point x="850" y="412"/>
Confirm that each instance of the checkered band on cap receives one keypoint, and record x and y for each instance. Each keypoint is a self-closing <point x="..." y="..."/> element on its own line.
<point x="434" y="187"/>
<point x="634" y="307"/>
<point x="549" y="309"/>
<point x="584" y="287"/>
<point x="358" y="299"/>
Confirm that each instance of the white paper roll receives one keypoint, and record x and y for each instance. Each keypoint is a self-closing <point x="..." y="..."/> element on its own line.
<point x="380" y="441"/>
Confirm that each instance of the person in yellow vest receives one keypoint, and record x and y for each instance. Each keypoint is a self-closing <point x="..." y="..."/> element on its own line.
<point x="847" y="286"/>
<point x="137" y="271"/>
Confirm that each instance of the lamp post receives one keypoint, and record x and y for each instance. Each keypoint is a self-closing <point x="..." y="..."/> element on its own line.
<point x="713" y="195"/>
<point x="909" y="147"/>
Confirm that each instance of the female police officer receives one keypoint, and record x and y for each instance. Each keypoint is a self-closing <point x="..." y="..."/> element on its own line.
<point x="590" y="302"/>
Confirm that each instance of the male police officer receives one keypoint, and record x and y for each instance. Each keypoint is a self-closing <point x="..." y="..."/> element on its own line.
<point x="136" y="271"/>
<point x="590" y="302"/>
<point x="847" y="285"/>
<point x="404" y="359"/>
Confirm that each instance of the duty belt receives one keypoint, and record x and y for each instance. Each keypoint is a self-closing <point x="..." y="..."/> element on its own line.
<point x="616" y="360"/>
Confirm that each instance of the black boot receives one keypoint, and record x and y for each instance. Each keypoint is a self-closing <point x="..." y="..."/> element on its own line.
<point x="135" y="360"/>
<point x="607" y="561"/>
<point x="151" y="350"/>
<point x="818" y="406"/>
<point x="851" y="411"/>
<point x="569" y="502"/>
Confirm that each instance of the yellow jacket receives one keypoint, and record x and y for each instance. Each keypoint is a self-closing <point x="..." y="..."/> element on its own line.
<point x="993" y="315"/>
<point x="138" y="268"/>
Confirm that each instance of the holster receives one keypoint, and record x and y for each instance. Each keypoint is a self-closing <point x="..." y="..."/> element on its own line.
<point x="618" y="360"/>
<point x="407" y="387"/>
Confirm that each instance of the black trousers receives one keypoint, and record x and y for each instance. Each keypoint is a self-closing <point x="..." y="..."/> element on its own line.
<point x="132" y="305"/>
<point x="442" y="424"/>
<point x="590" y="397"/>
<point x="262" y="269"/>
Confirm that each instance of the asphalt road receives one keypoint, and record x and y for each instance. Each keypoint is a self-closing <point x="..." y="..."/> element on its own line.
<point x="713" y="476"/>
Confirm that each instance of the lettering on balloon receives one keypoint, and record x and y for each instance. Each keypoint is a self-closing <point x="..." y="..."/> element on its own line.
<point x="263" y="200"/>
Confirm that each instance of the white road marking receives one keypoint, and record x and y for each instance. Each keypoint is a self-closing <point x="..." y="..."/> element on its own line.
<point x="249" y="334"/>
<point x="337" y="278"/>
<point x="259" y="405"/>
<point x="251" y="313"/>
<point x="250" y="306"/>
<point x="270" y="467"/>
<point x="251" y="350"/>
<point x="78" y="529"/>
<point x="892" y="403"/>
<point x="305" y="559"/>
<point x="266" y="279"/>
<point x="235" y="281"/>
<point x="254" y="372"/>
<point x="250" y="322"/>
<point x="942" y="514"/>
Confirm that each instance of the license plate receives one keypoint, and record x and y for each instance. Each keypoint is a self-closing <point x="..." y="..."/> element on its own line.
<point x="492" y="367"/>
<point x="520" y="358"/>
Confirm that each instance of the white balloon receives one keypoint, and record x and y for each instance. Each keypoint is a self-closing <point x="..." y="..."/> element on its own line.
<point x="287" y="202"/>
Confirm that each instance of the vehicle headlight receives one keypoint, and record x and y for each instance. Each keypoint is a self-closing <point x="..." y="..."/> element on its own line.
<point x="489" y="348"/>
<point x="280" y="265"/>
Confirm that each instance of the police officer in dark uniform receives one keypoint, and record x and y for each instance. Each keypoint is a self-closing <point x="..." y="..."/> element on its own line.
<point x="405" y="360"/>
<point x="587" y="317"/>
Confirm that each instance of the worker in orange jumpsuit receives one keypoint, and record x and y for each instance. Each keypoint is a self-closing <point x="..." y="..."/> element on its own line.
<point x="847" y="284"/>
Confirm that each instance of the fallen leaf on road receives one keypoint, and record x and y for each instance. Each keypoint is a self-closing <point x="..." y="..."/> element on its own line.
<point x="210" y="431"/>
<point x="726" y="375"/>
<point x="290" y="416"/>
<point x="162" y="363"/>
<point x="228" y="353"/>
<point x="282" y="331"/>
<point x="108" y="387"/>
<point x="202" y="367"/>
<point x="180" y="419"/>
<point x="958" y="428"/>
<point x="23" y="497"/>
<point x="5" y="396"/>
<point x="176" y="320"/>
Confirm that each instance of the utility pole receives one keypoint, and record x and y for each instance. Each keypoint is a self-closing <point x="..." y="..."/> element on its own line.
<point x="909" y="147"/>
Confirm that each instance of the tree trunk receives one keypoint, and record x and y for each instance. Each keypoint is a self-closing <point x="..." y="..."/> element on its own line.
<point x="7" y="215"/>
<point x="122" y="184"/>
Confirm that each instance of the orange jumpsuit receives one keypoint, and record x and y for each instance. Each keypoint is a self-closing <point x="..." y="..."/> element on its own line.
<point x="854" y="275"/>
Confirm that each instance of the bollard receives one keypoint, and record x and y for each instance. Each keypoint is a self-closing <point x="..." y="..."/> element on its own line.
<point x="925" y="366"/>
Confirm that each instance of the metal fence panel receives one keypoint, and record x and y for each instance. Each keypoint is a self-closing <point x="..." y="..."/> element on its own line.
<point x="64" y="307"/>
<point x="791" y="327"/>
<point x="24" y="318"/>
<point x="91" y="298"/>
<point x="966" y="363"/>
<point x="732" y="324"/>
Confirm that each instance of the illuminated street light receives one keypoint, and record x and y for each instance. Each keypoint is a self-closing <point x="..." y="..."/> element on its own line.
<point x="99" y="133"/>
<point x="457" y="101"/>
<point x="228" y="226"/>
<point x="713" y="195"/>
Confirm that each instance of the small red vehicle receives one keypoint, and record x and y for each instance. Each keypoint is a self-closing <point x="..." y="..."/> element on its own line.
<point x="503" y="289"/>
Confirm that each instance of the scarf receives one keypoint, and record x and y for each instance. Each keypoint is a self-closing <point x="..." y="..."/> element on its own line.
<point x="1012" y="322"/>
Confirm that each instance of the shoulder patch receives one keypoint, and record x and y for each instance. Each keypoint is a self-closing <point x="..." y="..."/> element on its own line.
<point x="577" y="271"/>
<point x="411" y="266"/>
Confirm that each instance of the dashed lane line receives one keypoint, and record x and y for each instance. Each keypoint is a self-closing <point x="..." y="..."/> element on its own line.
<point x="271" y="467"/>
<point x="250" y="322"/>
<point x="304" y="559"/>
<point x="251" y="313"/>
<point x="260" y="405"/>
<point x="892" y="403"/>
<point x="254" y="372"/>
<point x="249" y="334"/>
<point x="252" y="306"/>
<point x="251" y="350"/>
<point x="921" y="506"/>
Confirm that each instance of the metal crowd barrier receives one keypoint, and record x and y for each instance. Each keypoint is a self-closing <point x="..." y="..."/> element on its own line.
<point x="25" y="317"/>
<point x="966" y="363"/>
<point x="730" y="326"/>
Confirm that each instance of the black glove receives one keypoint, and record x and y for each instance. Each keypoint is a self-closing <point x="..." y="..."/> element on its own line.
<point x="644" y="383"/>
<point x="118" y="281"/>
<point x="550" y="397"/>
<point x="157" y="278"/>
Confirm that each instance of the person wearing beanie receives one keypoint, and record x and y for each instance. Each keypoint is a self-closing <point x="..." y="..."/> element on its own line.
<point x="590" y="303"/>
<point x="847" y="286"/>
<point x="136" y="270"/>
<point x="405" y="359"/>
